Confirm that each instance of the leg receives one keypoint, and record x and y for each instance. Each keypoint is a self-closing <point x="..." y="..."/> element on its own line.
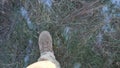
<point x="46" y="48"/>
<point x="47" y="58"/>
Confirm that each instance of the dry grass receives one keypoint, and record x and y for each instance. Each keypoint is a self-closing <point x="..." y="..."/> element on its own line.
<point x="74" y="26"/>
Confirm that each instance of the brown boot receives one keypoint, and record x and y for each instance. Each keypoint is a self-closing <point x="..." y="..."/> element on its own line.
<point x="45" y="42"/>
<point x="47" y="58"/>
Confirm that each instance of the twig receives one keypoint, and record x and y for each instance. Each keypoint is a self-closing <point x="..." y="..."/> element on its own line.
<point x="87" y="8"/>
